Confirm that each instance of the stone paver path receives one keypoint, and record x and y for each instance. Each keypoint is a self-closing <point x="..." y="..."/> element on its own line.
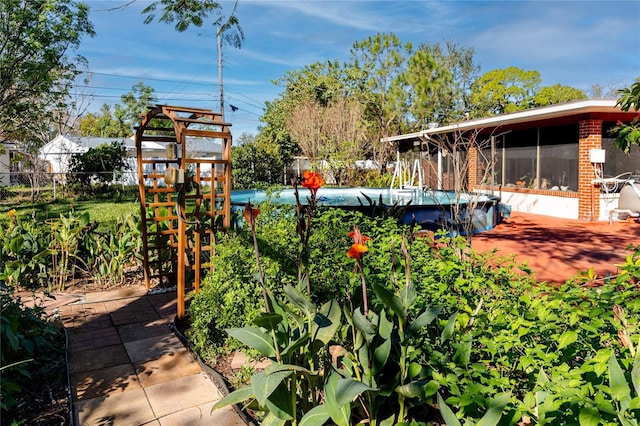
<point x="129" y="368"/>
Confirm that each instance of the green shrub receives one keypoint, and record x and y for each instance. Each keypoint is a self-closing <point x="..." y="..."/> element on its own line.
<point x="29" y="344"/>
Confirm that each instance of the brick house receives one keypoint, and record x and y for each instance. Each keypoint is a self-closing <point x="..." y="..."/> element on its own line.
<point x="556" y="160"/>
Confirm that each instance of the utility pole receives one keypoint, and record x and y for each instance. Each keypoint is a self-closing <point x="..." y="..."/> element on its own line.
<point x="221" y="90"/>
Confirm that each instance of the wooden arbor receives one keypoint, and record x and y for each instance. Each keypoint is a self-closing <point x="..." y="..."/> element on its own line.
<point x="183" y="198"/>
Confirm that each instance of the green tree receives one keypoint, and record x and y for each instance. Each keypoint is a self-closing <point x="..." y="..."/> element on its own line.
<point x="504" y="90"/>
<point x="37" y="68"/>
<point x="103" y="124"/>
<point x="438" y="80"/>
<point x="256" y="163"/>
<point x="135" y="103"/>
<point x="318" y="84"/>
<point x="557" y="94"/>
<point x="100" y="164"/>
<point x="628" y="134"/>
<point x="122" y="119"/>
<point x="374" y="71"/>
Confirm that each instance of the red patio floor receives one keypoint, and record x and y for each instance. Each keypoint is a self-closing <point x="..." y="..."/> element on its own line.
<point x="558" y="249"/>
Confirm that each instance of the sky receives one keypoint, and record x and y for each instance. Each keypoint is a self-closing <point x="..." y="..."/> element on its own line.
<point x="573" y="43"/>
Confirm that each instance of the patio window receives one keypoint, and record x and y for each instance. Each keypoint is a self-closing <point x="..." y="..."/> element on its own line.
<point x="617" y="162"/>
<point x="541" y="158"/>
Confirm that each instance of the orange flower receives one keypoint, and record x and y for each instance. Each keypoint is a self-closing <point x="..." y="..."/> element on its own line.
<point x="357" y="236"/>
<point x="250" y="213"/>
<point x="312" y="181"/>
<point x="11" y="213"/>
<point x="356" y="250"/>
<point x="358" y="247"/>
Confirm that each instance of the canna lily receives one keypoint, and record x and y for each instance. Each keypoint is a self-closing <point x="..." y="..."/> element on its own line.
<point x="356" y="250"/>
<point x="312" y="181"/>
<point x="250" y="214"/>
<point x="358" y="247"/>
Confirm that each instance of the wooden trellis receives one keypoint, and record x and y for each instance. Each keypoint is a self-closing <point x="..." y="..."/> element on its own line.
<point x="179" y="219"/>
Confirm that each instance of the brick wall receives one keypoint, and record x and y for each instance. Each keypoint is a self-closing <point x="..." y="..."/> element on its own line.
<point x="590" y="137"/>
<point x="473" y="167"/>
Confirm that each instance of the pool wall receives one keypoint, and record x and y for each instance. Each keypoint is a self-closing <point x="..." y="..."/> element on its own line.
<point x="430" y="209"/>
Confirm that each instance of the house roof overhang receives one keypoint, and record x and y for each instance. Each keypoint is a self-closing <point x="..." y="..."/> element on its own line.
<point x="605" y="109"/>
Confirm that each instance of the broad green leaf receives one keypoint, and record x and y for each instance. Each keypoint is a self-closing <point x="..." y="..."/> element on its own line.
<point x="408" y="295"/>
<point x="340" y="413"/>
<point x="15" y="245"/>
<point x="494" y="414"/>
<point x="367" y="329"/>
<point x="381" y="355"/>
<point x="280" y="403"/>
<point x="385" y="326"/>
<point x="317" y="416"/>
<point x="326" y="322"/>
<point x="449" y="417"/>
<point x="448" y="329"/>
<point x="264" y="385"/>
<point x="275" y="368"/>
<point x="617" y="382"/>
<point x="635" y="372"/>
<point x="423" y="320"/>
<point x="567" y="338"/>
<point x="272" y="420"/>
<point x="268" y="320"/>
<point x="295" y="345"/>
<point x="299" y="300"/>
<point x="412" y="389"/>
<point x="589" y="416"/>
<point x="235" y="397"/>
<point x="390" y="300"/>
<point x="348" y="389"/>
<point x="254" y="338"/>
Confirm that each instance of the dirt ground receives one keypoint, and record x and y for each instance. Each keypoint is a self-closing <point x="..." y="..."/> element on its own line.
<point x="558" y="249"/>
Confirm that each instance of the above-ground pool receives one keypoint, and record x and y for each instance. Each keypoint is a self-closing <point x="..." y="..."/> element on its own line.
<point x="430" y="209"/>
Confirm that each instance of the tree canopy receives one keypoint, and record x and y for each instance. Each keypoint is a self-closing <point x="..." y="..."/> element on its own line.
<point x="37" y="69"/>
<point x="628" y="134"/>
<point x="120" y="120"/>
<point x="504" y="90"/>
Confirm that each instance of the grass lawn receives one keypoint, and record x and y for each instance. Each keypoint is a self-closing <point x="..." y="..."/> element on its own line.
<point x="103" y="208"/>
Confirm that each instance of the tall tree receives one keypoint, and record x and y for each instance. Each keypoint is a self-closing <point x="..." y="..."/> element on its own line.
<point x="135" y="103"/>
<point x="438" y="79"/>
<point x="37" y="66"/>
<point x="331" y="133"/>
<point x="504" y="90"/>
<point x="103" y="124"/>
<point x="122" y="119"/>
<point x="375" y="67"/>
<point x="317" y="84"/>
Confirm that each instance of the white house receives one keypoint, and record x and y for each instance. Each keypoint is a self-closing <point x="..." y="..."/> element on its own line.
<point x="58" y="152"/>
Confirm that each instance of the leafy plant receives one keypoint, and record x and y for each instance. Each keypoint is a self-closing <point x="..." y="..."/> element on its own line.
<point x="25" y="256"/>
<point x="67" y="234"/>
<point x="323" y="369"/>
<point x="27" y="342"/>
<point x="116" y="250"/>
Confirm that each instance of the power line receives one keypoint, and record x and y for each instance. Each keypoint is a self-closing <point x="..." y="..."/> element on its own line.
<point x="148" y="78"/>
